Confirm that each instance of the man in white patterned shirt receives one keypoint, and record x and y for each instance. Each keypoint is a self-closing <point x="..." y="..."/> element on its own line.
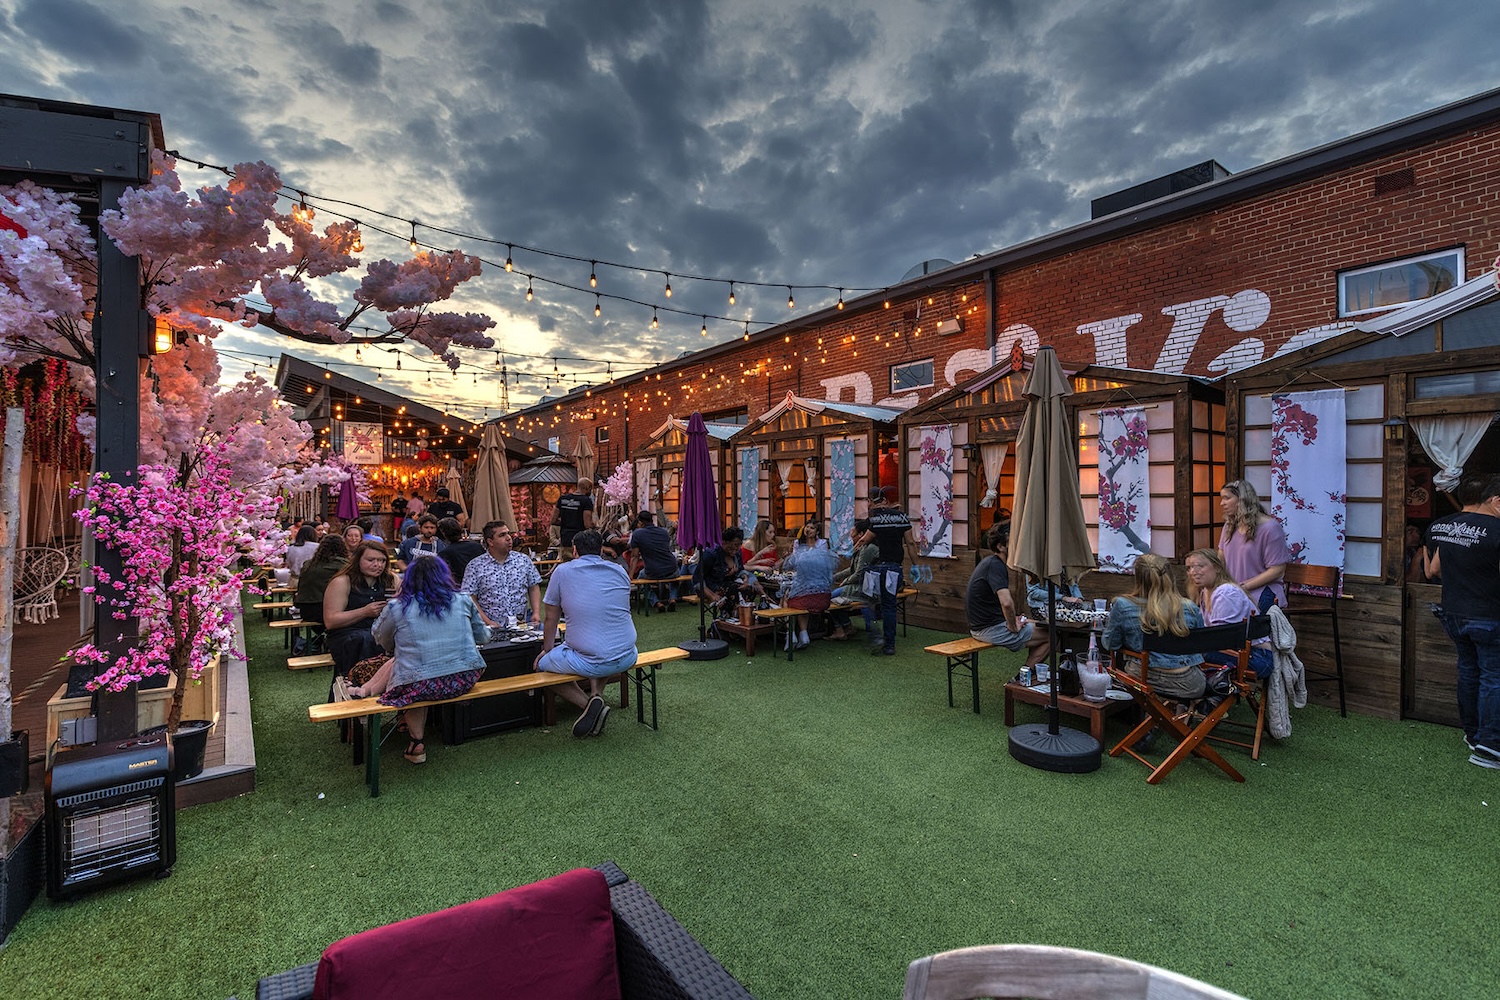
<point x="503" y="582"/>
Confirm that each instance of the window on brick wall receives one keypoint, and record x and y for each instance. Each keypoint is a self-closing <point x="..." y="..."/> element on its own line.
<point x="912" y="375"/>
<point x="601" y="434"/>
<point x="1398" y="282"/>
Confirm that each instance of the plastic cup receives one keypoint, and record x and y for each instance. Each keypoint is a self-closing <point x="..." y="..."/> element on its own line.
<point x="1099" y="605"/>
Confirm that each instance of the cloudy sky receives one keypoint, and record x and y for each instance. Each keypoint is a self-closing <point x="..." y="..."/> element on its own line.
<point x="777" y="141"/>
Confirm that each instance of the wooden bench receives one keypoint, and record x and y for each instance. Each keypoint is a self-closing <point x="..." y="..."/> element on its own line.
<point x="857" y="604"/>
<point x="641" y="590"/>
<point x="292" y="629"/>
<point x="309" y="662"/>
<point x="270" y="608"/>
<point x="365" y="712"/>
<point x="783" y="620"/>
<point x="963" y="654"/>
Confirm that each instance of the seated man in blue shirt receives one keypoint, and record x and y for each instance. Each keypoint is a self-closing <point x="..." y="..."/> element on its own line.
<point x="595" y="595"/>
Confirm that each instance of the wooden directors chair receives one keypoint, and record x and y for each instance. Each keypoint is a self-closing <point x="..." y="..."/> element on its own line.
<point x="1253" y="691"/>
<point x="1306" y="587"/>
<point x="1177" y="719"/>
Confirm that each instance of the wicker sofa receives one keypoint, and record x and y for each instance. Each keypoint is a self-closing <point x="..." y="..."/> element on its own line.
<point x="656" y="956"/>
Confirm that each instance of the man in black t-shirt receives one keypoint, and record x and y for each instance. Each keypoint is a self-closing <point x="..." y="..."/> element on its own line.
<point x="890" y="530"/>
<point x="444" y="505"/>
<point x="990" y="606"/>
<point x="1466" y="551"/>
<point x="575" y="511"/>
<point x="460" y="549"/>
<point x="654" y="543"/>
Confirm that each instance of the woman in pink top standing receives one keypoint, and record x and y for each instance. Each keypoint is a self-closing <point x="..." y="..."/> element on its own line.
<point x="1253" y="545"/>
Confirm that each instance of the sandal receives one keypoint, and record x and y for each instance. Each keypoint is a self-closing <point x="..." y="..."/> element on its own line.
<point x="416" y="752"/>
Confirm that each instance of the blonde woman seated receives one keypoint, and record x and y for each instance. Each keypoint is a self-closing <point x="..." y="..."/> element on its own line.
<point x="434" y="632"/>
<point x="1155" y="606"/>
<point x="762" y="548"/>
<point x="1224" y="602"/>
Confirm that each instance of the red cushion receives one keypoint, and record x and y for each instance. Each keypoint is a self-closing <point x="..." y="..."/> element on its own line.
<point x="551" y="939"/>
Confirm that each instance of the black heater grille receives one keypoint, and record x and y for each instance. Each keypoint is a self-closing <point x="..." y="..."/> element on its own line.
<point x="110" y="814"/>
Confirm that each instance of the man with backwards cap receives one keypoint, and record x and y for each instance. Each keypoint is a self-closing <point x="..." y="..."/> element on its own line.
<point x="890" y="530"/>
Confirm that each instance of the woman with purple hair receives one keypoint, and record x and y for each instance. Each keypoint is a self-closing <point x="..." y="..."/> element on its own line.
<point x="434" y="632"/>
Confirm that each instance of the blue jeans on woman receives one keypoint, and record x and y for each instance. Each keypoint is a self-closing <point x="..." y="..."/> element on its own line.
<point x="1478" y="643"/>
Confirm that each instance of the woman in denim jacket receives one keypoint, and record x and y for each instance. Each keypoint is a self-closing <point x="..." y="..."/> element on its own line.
<point x="1156" y="606"/>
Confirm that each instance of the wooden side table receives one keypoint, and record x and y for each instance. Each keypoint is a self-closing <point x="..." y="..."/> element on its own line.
<point x="745" y="632"/>
<point x="1067" y="704"/>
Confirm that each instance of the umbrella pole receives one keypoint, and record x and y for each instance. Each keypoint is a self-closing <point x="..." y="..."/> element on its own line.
<point x="1052" y="710"/>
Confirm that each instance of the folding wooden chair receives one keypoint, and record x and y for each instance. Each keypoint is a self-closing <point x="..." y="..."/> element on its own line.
<point x="1252" y="692"/>
<point x="1179" y="719"/>
<point x="1305" y="587"/>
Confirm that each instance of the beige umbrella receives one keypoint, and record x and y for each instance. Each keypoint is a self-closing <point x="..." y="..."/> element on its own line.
<point x="1050" y="538"/>
<point x="583" y="457"/>
<point x="454" y="480"/>
<point x="491" y="483"/>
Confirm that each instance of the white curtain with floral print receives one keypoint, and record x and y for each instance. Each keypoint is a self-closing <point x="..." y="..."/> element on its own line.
<point x="935" y="535"/>
<point x="1124" y="489"/>
<point x="1309" y="474"/>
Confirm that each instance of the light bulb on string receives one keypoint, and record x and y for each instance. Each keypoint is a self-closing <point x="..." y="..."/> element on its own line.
<point x="509" y="265"/>
<point x="379" y="377"/>
<point x="596" y="305"/>
<point x="398" y="362"/>
<point x="593" y="276"/>
<point x="528" y="288"/>
<point x="791" y="303"/>
<point x="747" y="329"/>
<point x="841" y="299"/>
<point x="357" y="355"/>
<point x="497" y="361"/>
<point x="731" y="293"/>
<point x="668" y="292"/>
<point x="704" y="331"/>
<point x="413" y="243"/>
<point x="654" y="324"/>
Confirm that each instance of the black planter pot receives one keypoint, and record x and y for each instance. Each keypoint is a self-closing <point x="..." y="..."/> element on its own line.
<point x="189" y="747"/>
<point x="15" y="754"/>
<point x="22" y="869"/>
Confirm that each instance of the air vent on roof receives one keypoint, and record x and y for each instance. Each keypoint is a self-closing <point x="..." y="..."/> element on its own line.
<point x="1395" y="181"/>
<point x="1189" y="177"/>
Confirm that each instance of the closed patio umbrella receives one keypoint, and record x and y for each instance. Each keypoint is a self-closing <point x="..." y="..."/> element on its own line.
<point x="583" y="458"/>
<point x="1050" y="538"/>
<point x="491" y="483"/>
<point x="699" y="524"/>
<point x="454" y="480"/>
<point x="348" y="506"/>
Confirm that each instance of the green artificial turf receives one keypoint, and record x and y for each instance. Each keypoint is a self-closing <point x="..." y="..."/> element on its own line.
<point x="817" y="826"/>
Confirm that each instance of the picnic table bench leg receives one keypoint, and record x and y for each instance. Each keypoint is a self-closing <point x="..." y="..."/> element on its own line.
<point x="952" y="662"/>
<point x="372" y="755"/>
<point x="644" y="682"/>
<point x="973" y="677"/>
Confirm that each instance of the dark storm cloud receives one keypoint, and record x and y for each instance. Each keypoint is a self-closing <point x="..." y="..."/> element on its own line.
<point x="82" y="31"/>
<point x="325" y="52"/>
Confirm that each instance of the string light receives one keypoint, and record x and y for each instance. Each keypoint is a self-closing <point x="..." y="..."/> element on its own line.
<point x="731" y="293"/>
<point x="528" y="288"/>
<point x="357" y="355"/>
<point x="791" y="303"/>
<point x="654" y="324"/>
<point x="747" y="329"/>
<point x="841" y="299"/>
<point x="593" y="277"/>
<point x="669" y="285"/>
<point x="509" y="266"/>
<point x="704" y="331"/>
<point x="413" y="243"/>
<point x="596" y="305"/>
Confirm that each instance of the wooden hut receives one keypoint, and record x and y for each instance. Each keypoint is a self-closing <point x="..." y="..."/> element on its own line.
<point x="812" y="459"/>
<point x="960" y="472"/>
<point x="1412" y="382"/>
<point x="534" y="489"/>
<point x="659" y="462"/>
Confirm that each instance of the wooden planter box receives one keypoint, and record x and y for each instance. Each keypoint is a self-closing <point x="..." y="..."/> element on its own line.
<point x="200" y="701"/>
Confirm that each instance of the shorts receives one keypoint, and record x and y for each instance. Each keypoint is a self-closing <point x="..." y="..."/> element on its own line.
<point x="999" y="634"/>
<point x="565" y="660"/>
<point x="810" y="602"/>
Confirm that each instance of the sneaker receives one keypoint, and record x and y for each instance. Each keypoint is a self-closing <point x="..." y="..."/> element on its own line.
<point x="598" y="729"/>
<point x="1469" y="742"/>
<point x="1484" y="756"/>
<point x="590" y="717"/>
<point x="803" y="643"/>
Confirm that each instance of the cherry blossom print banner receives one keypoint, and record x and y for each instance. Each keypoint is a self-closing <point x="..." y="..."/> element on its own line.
<point x="643" y="467"/>
<point x="935" y="536"/>
<point x="749" y="489"/>
<point x="1124" y="489"/>
<point x="841" y="498"/>
<point x="1309" y="474"/>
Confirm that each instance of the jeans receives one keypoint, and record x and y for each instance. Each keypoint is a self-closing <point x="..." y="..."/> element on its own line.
<point x="1478" y="643"/>
<point x="888" y="598"/>
<point x="671" y="587"/>
<point x="841" y="619"/>
<point x="1261" y="660"/>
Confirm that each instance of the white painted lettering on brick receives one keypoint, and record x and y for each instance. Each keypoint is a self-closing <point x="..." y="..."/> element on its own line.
<point x="1011" y="334"/>
<point x="975" y="360"/>
<point x="1244" y="311"/>
<point x="856" y="382"/>
<point x="1109" y="339"/>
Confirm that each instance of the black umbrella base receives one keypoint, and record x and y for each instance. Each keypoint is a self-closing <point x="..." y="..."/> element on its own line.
<point x="1068" y="751"/>
<point x="710" y="649"/>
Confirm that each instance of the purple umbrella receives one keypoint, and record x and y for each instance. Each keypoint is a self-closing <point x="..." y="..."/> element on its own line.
<point x="348" y="506"/>
<point x="698" y="523"/>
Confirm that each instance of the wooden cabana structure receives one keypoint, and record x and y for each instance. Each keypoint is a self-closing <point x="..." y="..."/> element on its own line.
<point x="658" y="466"/>
<point x="812" y="459"/>
<point x="1418" y="391"/>
<point x="1163" y="465"/>
<point x="535" y="487"/>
